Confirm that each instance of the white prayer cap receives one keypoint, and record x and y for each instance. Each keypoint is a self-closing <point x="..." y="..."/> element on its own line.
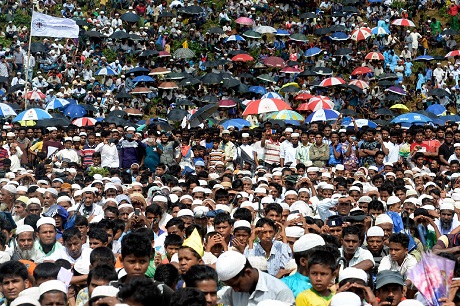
<point x="289" y="192"/>
<point x="266" y="200"/>
<point x="33" y="201"/>
<point x="302" y="207"/>
<point x="52" y="285"/>
<point x="230" y="264"/>
<point x="327" y="186"/>
<point x="223" y="207"/>
<point x="77" y="193"/>
<point x="88" y="190"/>
<point x="294" y="135"/>
<point x="200" y="211"/>
<point x="290" y="130"/>
<point x="159" y="198"/>
<point x="383" y="218"/>
<point x="103" y="291"/>
<point x="346" y="299"/>
<point x="10" y="188"/>
<point x="393" y="200"/>
<point x="24" y="300"/>
<point x="31" y="292"/>
<point x="307" y="242"/>
<point x="21" y="188"/>
<point x="45" y="220"/>
<point x="245" y="135"/>
<point x="446" y="206"/>
<point x="410" y="302"/>
<point x="258" y="262"/>
<point x="340" y="167"/>
<point x="294" y="231"/>
<point x="198" y="202"/>
<point x="24" y="228"/>
<point x="260" y="190"/>
<point x="375" y="231"/>
<point x="125" y="205"/>
<point x="352" y="272"/>
<point x="185" y="213"/>
<point x="110" y="186"/>
<point x="63" y="199"/>
<point x="246" y="204"/>
<point x="241" y="223"/>
<point x="284" y="206"/>
<point x="184" y="197"/>
<point x="198" y="189"/>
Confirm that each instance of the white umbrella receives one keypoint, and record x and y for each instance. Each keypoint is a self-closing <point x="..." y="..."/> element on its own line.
<point x="265" y="30"/>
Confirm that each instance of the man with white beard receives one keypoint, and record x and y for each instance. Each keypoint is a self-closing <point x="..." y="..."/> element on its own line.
<point x="447" y="221"/>
<point x="23" y="243"/>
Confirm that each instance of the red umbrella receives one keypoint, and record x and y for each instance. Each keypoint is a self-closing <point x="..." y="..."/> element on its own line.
<point x="317" y="104"/>
<point x="227" y="103"/>
<point x="374" y="56"/>
<point x="303" y="107"/>
<point x="163" y="54"/>
<point x="265" y="106"/>
<point x="141" y="90"/>
<point x="290" y="70"/>
<point x="242" y="58"/>
<point x="85" y="121"/>
<point x="360" y="34"/>
<point x="168" y="85"/>
<point x="361" y="70"/>
<point x="360" y="83"/>
<point x="403" y="22"/>
<point x="303" y="96"/>
<point x="453" y="53"/>
<point x="333" y="81"/>
<point x="133" y="112"/>
<point x="274" y="61"/>
<point x="244" y="21"/>
<point x="35" y="95"/>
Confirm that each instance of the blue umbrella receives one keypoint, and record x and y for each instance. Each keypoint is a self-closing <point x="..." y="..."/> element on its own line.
<point x="143" y="78"/>
<point x="313" y="51"/>
<point x="293" y="122"/>
<point x="258" y="89"/>
<point x="105" y="71"/>
<point x="380" y="31"/>
<point x="280" y="32"/>
<point x="234" y="38"/>
<point x="423" y="58"/>
<point x="2" y="93"/>
<point x="138" y="70"/>
<point x="339" y="36"/>
<point x="238" y="123"/>
<point x="32" y="114"/>
<point x="455" y="118"/>
<point x="74" y="111"/>
<point x="57" y="103"/>
<point x="411" y="118"/>
<point x="272" y="95"/>
<point x="359" y="122"/>
<point x="436" y="109"/>
<point x="322" y="115"/>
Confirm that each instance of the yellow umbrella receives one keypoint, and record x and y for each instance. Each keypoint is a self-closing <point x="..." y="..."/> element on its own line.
<point x="400" y="107"/>
<point x="290" y="84"/>
<point x="27" y="122"/>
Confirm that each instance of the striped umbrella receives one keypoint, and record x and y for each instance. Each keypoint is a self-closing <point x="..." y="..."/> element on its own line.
<point x="333" y="81"/>
<point x="57" y="103"/>
<point x="6" y="110"/>
<point x="374" y="56"/>
<point x="272" y="95"/>
<point x="361" y="70"/>
<point x="85" y="121"/>
<point x="322" y="115"/>
<point x="403" y="22"/>
<point x="265" y="106"/>
<point x="380" y="31"/>
<point x="320" y="102"/>
<point x="286" y="115"/>
<point x="32" y="114"/>
<point x="360" y="83"/>
<point x="105" y="71"/>
<point x="453" y="53"/>
<point x="360" y="34"/>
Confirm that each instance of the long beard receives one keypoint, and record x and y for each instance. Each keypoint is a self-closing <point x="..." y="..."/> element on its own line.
<point x="26" y="254"/>
<point x="446" y="224"/>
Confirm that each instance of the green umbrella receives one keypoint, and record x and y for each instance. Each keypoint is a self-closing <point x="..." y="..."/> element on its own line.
<point x="266" y="78"/>
<point x="299" y="37"/>
<point x="251" y="34"/>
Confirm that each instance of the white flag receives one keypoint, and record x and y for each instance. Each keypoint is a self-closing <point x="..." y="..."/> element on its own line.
<point x="49" y="26"/>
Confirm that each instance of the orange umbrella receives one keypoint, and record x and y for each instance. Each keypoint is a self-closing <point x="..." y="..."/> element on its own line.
<point x="242" y="58"/>
<point x="141" y="90"/>
<point x="168" y="85"/>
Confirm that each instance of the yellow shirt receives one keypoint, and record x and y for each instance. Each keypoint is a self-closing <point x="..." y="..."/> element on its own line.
<point x="37" y="147"/>
<point x="311" y="297"/>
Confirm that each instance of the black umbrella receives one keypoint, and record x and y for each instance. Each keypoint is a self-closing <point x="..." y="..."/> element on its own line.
<point x="140" y="70"/>
<point x="308" y="15"/>
<point x="89" y="107"/>
<point x="185" y="102"/>
<point x="350" y="9"/>
<point x="216" y="30"/>
<point x="393" y="97"/>
<point x="348" y="112"/>
<point x="337" y="28"/>
<point x="202" y="114"/>
<point x="428" y="114"/>
<point x="209" y="64"/>
<point x="387" y="76"/>
<point x="222" y="62"/>
<point x="380" y="122"/>
<point x="190" y="81"/>
<point x="162" y="123"/>
<point x="385" y="112"/>
<point x="53" y="122"/>
<point x="274" y="122"/>
<point x="307" y="73"/>
<point x="439" y="58"/>
<point x="355" y="88"/>
<point x="230" y="83"/>
<point x="244" y="75"/>
<point x="130" y="17"/>
<point x="438" y="92"/>
<point x="92" y="34"/>
<point x="211" y="79"/>
<point x="117" y="113"/>
<point x="3" y="79"/>
<point x="135" y="37"/>
<point x="37" y="47"/>
<point x="175" y="76"/>
<point x="176" y="114"/>
<point x="123" y="95"/>
<point x="449" y="32"/>
<point x="348" y="2"/>
<point x="236" y="52"/>
<point x="343" y="51"/>
<point x="146" y="53"/>
<point x="385" y="83"/>
<point x="119" y="35"/>
<point x="242" y="88"/>
<point x="191" y="10"/>
<point x="338" y="14"/>
<point x="293" y="63"/>
<point x="117" y="120"/>
<point x="16" y="88"/>
<point x="322" y="31"/>
<point x="16" y="106"/>
<point x="82" y="22"/>
<point x="290" y="88"/>
<point x="209" y="99"/>
<point x="167" y="14"/>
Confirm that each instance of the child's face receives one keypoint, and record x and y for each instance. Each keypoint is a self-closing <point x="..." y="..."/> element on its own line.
<point x="135" y="266"/>
<point x="171" y="250"/>
<point x="95" y="283"/>
<point x="242" y="236"/>
<point x="186" y="260"/>
<point x="397" y="252"/>
<point x="95" y="243"/>
<point x="320" y="277"/>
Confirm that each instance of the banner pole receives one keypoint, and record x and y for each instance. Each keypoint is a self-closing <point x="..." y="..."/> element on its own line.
<point x="26" y="88"/>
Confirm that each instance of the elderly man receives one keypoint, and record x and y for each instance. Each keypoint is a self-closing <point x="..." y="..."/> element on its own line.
<point x="46" y="244"/>
<point x="49" y="198"/>
<point x="7" y="197"/>
<point x="23" y="244"/>
<point x="90" y="209"/>
<point x="447" y="220"/>
<point x="20" y="211"/>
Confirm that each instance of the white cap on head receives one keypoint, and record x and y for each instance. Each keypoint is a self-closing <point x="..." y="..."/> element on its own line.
<point x="346" y="299"/>
<point x="393" y="200"/>
<point x="185" y="213"/>
<point x="24" y="228"/>
<point x="10" y="188"/>
<point x="103" y="291"/>
<point x="230" y="264"/>
<point x="294" y="231"/>
<point x="383" y="218"/>
<point x="241" y="223"/>
<point x="352" y="272"/>
<point x="289" y="130"/>
<point x="446" y="206"/>
<point x="375" y="231"/>
<point x="45" y="220"/>
<point x="307" y="242"/>
<point x="160" y="198"/>
<point x="410" y="302"/>
<point x="52" y="285"/>
<point x="24" y="300"/>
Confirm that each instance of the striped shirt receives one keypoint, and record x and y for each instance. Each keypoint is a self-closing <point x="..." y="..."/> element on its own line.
<point x="272" y="152"/>
<point x="216" y="155"/>
<point x="279" y="256"/>
<point x="87" y="154"/>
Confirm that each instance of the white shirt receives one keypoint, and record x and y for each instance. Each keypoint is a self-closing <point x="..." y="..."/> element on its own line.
<point x="408" y="263"/>
<point x="109" y="155"/>
<point x="393" y="152"/>
<point x="360" y="255"/>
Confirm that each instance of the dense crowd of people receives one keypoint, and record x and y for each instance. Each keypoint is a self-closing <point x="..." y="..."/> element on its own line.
<point x="139" y="183"/>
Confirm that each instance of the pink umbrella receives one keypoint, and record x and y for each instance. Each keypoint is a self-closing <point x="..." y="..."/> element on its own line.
<point x="360" y="83"/>
<point x="403" y="22"/>
<point x="453" y="53"/>
<point x="244" y="21"/>
<point x="227" y="103"/>
<point x="360" y="34"/>
<point x="163" y="54"/>
<point x="320" y="102"/>
<point x="274" y="61"/>
<point x="290" y="70"/>
<point x="374" y="56"/>
<point x="333" y="81"/>
<point x="35" y="95"/>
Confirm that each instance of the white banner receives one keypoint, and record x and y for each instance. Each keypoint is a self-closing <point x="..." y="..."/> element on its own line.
<point x="49" y="26"/>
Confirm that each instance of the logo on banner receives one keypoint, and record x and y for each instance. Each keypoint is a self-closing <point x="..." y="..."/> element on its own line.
<point x="39" y="25"/>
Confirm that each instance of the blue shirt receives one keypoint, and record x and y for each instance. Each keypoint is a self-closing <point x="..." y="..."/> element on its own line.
<point x="332" y="160"/>
<point x="297" y="283"/>
<point x="280" y="254"/>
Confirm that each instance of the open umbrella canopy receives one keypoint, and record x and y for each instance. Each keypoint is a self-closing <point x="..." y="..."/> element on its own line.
<point x="332" y="82"/>
<point x="400" y="107"/>
<point x="313" y="51"/>
<point x="191" y="10"/>
<point x="438" y="92"/>
<point x="85" y="121"/>
<point x="266" y="78"/>
<point x="274" y="61"/>
<point x="130" y="17"/>
<point x="412" y="118"/>
<point x="133" y="112"/>
<point x="320" y="102"/>
<point x="359" y="83"/>
<point x="32" y="114"/>
<point x="437" y="109"/>
<point x="299" y="37"/>
<point x="340" y="36"/>
<point x="177" y="114"/>
<point x="281" y="32"/>
<point x="377" y="56"/>
<point x="6" y="110"/>
<point x="403" y="22"/>
<point x="227" y="103"/>
<point x="303" y="96"/>
<point x="244" y="21"/>
<point x="286" y="114"/>
<point x="242" y="58"/>
<point x="265" y="105"/>
<point x="117" y="113"/>
<point x="211" y="79"/>
<point x="35" y="95"/>
<point x="380" y="31"/>
<point x="322" y="115"/>
<point x="75" y="111"/>
<point x="119" y="35"/>
<point x="258" y="89"/>
<point x="168" y="85"/>
<point x="183" y="53"/>
<point x="361" y="70"/>
<point x="238" y="123"/>
<point x="234" y="38"/>
<point x="189" y="82"/>
<point x="159" y="71"/>
<point x="252" y="34"/>
<point x="143" y="78"/>
<point x="272" y="95"/>
<point x="265" y="30"/>
<point x="105" y="71"/>
<point x="57" y="103"/>
<point x="202" y="114"/>
<point x="397" y="90"/>
<point x="361" y="34"/>
<point x="385" y="112"/>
